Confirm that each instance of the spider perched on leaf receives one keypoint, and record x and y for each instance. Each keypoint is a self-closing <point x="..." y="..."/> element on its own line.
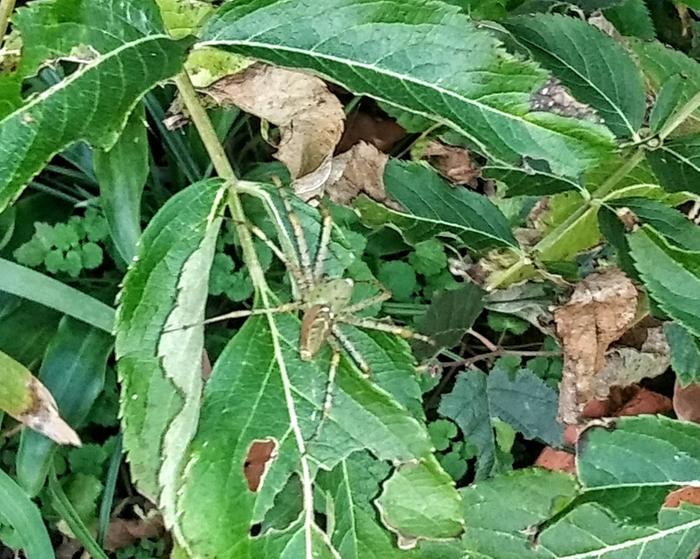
<point x="325" y="303"/>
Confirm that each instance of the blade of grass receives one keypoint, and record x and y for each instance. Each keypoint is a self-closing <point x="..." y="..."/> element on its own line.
<point x="108" y="493"/>
<point x="66" y="511"/>
<point x="25" y="282"/>
<point x="17" y="510"/>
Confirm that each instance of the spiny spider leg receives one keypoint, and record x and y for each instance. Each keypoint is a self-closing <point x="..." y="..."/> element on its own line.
<point x="287" y="307"/>
<point x="348" y="346"/>
<point x="362" y="305"/>
<point x="323" y="243"/>
<point x="302" y="245"/>
<point x="372" y="324"/>
<point x="328" y="397"/>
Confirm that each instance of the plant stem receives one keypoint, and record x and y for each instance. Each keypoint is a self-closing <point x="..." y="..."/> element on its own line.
<point x="6" y="9"/>
<point x="223" y="168"/>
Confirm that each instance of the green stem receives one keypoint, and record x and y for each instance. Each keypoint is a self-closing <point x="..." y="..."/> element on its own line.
<point x="223" y="168"/>
<point x="688" y="109"/>
<point x="6" y="9"/>
<point x="512" y="273"/>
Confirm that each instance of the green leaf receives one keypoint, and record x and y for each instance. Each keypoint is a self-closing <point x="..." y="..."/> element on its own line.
<point x="434" y="207"/>
<point x="659" y="64"/>
<point x="159" y="362"/>
<point x="17" y="510"/>
<point x="419" y="502"/>
<point x="668" y="100"/>
<point x="73" y="370"/>
<point x="671" y="276"/>
<point x="260" y="390"/>
<point x="429" y="257"/>
<point x="399" y="278"/>
<point x="482" y="9"/>
<point x="450" y="314"/>
<point x="588" y="62"/>
<point x="37" y="324"/>
<point x="184" y="17"/>
<point x="122" y="172"/>
<point x="632" y="18"/>
<point x="677" y="164"/>
<point x="528" y="181"/>
<point x="672" y="224"/>
<point x="431" y="61"/>
<point x="664" y="452"/>
<point x="441" y="432"/>
<point x="530" y="496"/>
<point x="37" y="287"/>
<point x="685" y="353"/>
<point x="522" y="400"/>
<point x="82" y="106"/>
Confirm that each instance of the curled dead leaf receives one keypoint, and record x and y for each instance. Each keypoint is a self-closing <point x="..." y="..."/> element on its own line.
<point x="383" y="133"/>
<point x="359" y="170"/>
<point x="454" y="163"/>
<point x="309" y="116"/>
<point x="686" y="402"/>
<point x="257" y="463"/>
<point x="601" y="309"/>
<point x="645" y="402"/>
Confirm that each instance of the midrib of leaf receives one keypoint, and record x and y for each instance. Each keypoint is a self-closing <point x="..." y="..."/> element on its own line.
<point x="591" y="84"/>
<point x="306" y="480"/>
<point x="641" y="541"/>
<point x="402" y="78"/>
<point x="681" y="158"/>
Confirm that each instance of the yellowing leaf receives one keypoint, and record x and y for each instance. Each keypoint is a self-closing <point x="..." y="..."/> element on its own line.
<point x="27" y="400"/>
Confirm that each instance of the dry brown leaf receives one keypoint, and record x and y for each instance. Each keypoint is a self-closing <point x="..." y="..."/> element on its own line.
<point x="645" y="402"/>
<point x="122" y="533"/>
<point x="683" y="495"/>
<point x="382" y="133"/>
<point x="309" y="116"/>
<point x="600" y="310"/>
<point x="686" y="402"/>
<point x="454" y="163"/>
<point x="359" y="171"/>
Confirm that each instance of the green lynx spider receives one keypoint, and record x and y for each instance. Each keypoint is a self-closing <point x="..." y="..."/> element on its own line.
<point x="325" y="303"/>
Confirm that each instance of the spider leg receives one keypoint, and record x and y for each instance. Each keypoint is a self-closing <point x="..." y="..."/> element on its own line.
<point x="287" y="307"/>
<point x="323" y="244"/>
<point x="348" y="346"/>
<point x="383" y="295"/>
<point x="372" y="324"/>
<point x="302" y="245"/>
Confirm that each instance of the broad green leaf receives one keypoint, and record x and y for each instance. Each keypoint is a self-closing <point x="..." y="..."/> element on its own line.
<point x="37" y="324"/>
<point x="24" y="282"/>
<point x="260" y="390"/>
<point x="18" y="511"/>
<point x="529" y="182"/>
<point x="671" y="276"/>
<point x="632" y="18"/>
<point x="668" y="101"/>
<point x="431" y="61"/>
<point x="590" y="63"/>
<point x="530" y="496"/>
<point x="685" y="353"/>
<point x="520" y="399"/>
<point x="73" y="370"/>
<point x="83" y="106"/>
<point x="677" y="164"/>
<point x="122" y="172"/>
<point x="434" y="207"/>
<point x="669" y="222"/>
<point x="418" y="502"/>
<point x="615" y="232"/>
<point x="450" y="314"/>
<point x="482" y="9"/>
<point x="184" y="17"/>
<point x="589" y="531"/>
<point x="159" y="361"/>
<point x="640" y="451"/>
<point x="28" y="401"/>
<point x="659" y="64"/>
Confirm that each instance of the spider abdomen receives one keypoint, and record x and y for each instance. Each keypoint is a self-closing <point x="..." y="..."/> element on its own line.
<point x="315" y="329"/>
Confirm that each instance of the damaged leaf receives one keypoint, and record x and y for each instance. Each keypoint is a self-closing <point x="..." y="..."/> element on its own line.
<point x="601" y="309"/>
<point x="27" y="400"/>
<point x="310" y="117"/>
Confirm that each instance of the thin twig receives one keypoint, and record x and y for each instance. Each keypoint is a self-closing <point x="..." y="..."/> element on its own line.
<point x="497" y="353"/>
<point x="488" y="344"/>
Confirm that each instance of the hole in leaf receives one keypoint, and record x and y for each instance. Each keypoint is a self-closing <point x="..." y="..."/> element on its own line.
<point x="255" y="530"/>
<point x="258" y="459"/>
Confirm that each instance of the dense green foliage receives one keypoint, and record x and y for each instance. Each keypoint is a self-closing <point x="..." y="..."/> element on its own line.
<point x="540" y="145"/>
